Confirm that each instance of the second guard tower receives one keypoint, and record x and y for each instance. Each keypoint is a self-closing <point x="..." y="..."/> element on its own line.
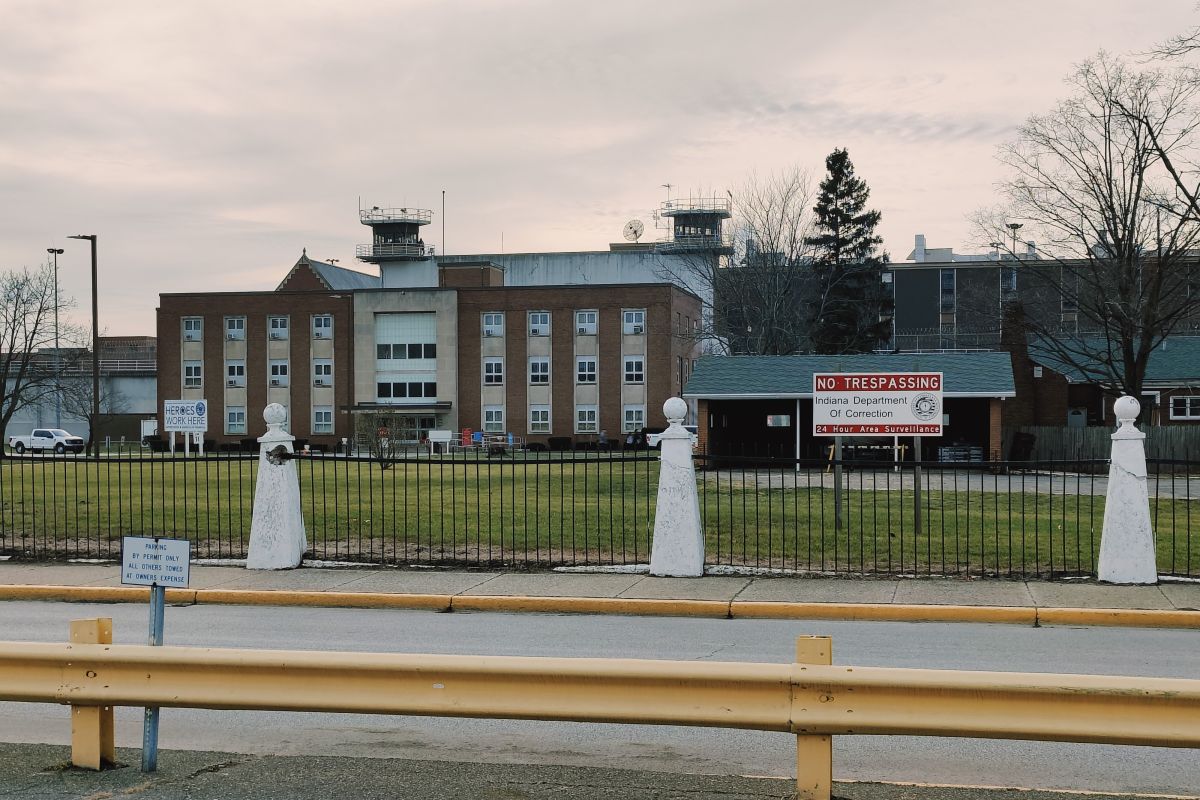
<point x="397" y="247"/>
<point x="695" y="225"/>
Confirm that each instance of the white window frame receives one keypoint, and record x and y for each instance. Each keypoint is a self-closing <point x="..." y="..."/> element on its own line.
<point x="193" y="329"/>
<point x="322" y="326"/>
<point x="235" y="373"/>
<point x="493" y="371"/>
<point x="235" y="419"/>
<point x="633" y="322"/>
<point x="581" y="372"/>
<point x="543" y="377"/>
<point x="587" y="419"/>
<point x="195" y="381"/>
<point x="278" y="370"/>
<point x="277" y="328"/>
<point x="493" y="419"/>
<point x="638" y="421"/>
<point x="586" y="322"/>
<point x="539" y="425"/>
<point x="637" y="375"/>
<point x="322" y="419"/>
<point x="1191" y="406"/>
<point x="235" y="329"/>
<point x="538" y="327"/>
<point x="493" y="323"/>
<point x="322" y="371"/>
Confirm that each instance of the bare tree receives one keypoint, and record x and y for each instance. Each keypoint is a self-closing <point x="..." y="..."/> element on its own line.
<point x="754" y="293"/>
<point x="30" y="369"/>
<point x="1117" y="268"/>
<point x="76" y="391"/>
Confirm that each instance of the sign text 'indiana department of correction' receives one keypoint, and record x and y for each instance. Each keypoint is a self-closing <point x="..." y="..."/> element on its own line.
<point x="877" y="404"/>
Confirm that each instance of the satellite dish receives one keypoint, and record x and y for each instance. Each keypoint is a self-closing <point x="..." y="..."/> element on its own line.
<point x="633" y="230"/>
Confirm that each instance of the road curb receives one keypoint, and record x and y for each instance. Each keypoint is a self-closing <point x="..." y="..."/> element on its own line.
<point x="629" y="606"/>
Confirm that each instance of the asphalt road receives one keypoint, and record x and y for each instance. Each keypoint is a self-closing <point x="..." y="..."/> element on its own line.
<point x="675" y="750"/>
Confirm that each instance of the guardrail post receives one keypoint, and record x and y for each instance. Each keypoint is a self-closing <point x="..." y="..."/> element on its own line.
<point x="814" y="752"/>
<point x="92" y="744"/>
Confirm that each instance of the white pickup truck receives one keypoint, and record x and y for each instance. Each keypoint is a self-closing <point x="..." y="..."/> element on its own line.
<point x="55" y="439"/>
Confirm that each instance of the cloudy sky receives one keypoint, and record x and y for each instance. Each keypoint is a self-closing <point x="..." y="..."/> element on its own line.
<point x="207" y="143"/>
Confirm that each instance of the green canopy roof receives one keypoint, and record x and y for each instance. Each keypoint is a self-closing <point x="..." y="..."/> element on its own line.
<point x="732" y="377"/>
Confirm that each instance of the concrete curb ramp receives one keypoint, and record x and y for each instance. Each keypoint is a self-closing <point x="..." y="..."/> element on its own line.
<point x="716" y="609"/>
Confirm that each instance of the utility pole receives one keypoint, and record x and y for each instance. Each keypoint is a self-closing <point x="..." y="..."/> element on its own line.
<point x="95" y="426"/>
<point x="56" y="252"/>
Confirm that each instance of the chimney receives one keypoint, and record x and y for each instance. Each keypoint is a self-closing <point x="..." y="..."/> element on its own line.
<point x="1030" y="249"/>
<point x="919" y="250"/>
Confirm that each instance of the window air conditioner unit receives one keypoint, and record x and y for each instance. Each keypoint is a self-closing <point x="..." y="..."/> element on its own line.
<point x="232" y="337"/>
<point x="276" y="383"/>
<point x="639" y="329"/>
<point x="489" y="333"/>
<point x="231" y="383"/>
<point x="583" y="330"/>
<point x="191" y="337"/>
<point x="318" y="334"/>
<point x="319" y="382"/>
<point x="277" y="336"/>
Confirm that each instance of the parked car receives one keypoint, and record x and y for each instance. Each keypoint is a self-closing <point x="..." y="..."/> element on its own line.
<point x="41" y="439"/>
<point x="655" y="439"/>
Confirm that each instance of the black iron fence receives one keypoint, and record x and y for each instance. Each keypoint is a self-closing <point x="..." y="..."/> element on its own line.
<point x="535" y="510"/>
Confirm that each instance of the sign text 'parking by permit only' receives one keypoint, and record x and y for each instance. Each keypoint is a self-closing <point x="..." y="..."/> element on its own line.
<point x="877" y="404"/>
<point x="155" y="562"/>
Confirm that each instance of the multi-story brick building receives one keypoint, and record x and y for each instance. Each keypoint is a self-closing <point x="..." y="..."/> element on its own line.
<point x="445" y="344"/>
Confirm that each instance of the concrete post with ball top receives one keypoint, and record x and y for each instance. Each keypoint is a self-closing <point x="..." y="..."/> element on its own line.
<point x="1127" y="542"/>
<point x="678" y="547"/>
<point x="277" y="539"/>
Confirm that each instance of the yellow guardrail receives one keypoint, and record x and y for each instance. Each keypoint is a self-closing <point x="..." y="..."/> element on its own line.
<point x="809" y="698"/>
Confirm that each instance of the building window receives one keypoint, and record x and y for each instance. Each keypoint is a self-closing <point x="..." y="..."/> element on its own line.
<point x="585" y="323"/>
<point x="634" y="323"/>
<point x="277" y="328"/>
<point x="539" y="419"/>
<point x="1185" y="407"/>
<point x="193" y="375"/>
<point x="322" y="326"/>
<point x="322" y="419"/>
<point x="493" y="419"/>
<point x="235" y="372"/>
<point x="235" y="328"/>
<point x="279" y="372"/>
<point x="585" y="370"/>
<point x="405" y="390"/>
<point x="235" y="419"/>
<point x="322" y="372"/>
<point x="585" y="419"/>
<point x="635" y="369"/>
<point x="493" y="324"/>
<point x="493" y="372"/>
<point x="635" y="419"/>
<point x="539" y="371"/>
<point x="539" y="323"/>
<point x="193" y="329"/>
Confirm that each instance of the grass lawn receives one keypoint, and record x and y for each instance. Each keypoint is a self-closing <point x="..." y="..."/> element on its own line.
<point x="549" y="511"/>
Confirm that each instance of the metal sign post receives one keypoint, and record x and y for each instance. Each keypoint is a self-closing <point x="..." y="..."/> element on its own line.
<point x="157" y="563"/>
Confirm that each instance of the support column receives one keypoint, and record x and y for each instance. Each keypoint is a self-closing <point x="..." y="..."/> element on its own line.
<point x="995" y="450"/>
<point x="92" y="742"/>
<point x="814" y="752"/>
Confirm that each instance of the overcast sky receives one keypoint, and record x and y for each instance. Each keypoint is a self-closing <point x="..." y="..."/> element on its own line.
<point x="207" y="143"/>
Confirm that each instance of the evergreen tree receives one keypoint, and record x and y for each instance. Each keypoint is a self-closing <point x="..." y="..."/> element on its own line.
<point x="850" y="312"/>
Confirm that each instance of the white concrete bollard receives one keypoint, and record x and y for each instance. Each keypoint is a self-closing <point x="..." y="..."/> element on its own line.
<point x="678" y="546"/>
<point x="1127" y="541"/>
<point x="277" y="539"/>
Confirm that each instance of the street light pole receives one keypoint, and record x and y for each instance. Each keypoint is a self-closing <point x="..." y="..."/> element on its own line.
<point x="56" y="252"/>
<point x="95" y="427"/>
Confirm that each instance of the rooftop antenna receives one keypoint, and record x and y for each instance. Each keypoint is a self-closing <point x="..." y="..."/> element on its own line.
<point x="668" y="187"/>
<point x="444" y="250"/>
<point x="633" y="230"/>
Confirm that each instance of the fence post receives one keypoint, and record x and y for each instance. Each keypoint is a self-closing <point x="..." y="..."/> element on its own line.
<point x="814" y="752"/>
<point x="92" y="743"/>
<point x="1127" y="541"/>
<point x="678" y="546"/>
<point x="277" y="539"/>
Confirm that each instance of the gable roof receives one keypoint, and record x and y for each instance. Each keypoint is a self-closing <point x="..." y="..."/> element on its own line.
<point x="1175" y="362"/>
<point x="331" y="276"/>
<point x="747" y="377"/>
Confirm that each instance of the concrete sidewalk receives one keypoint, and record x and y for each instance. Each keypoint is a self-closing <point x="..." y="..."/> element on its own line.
<point x="617" y="593"/>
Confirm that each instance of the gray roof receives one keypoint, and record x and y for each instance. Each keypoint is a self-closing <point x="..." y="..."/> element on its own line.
<point x="1175" y="362"/>
<point x="964" y="374"/>
<point x="342" y="279"/>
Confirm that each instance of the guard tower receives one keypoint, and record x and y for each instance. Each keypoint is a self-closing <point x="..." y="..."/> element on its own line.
<point x="395" y="235"/>
<point x="694" y="225"/>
